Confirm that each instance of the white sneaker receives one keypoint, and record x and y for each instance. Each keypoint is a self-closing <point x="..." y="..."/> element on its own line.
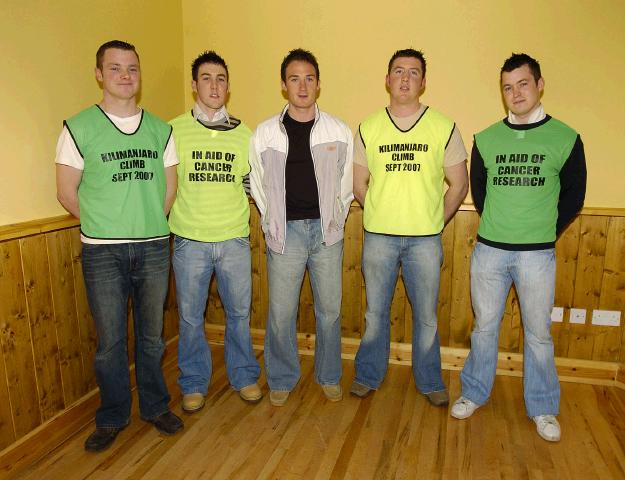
<point x="463" y="408"/>
<point x="547" y="427"/>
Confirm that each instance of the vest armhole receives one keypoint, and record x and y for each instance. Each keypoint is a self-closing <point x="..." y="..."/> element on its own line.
<point x="360" y="135"/>
<point x="73" y="138"/>
<point x="453" y="127"/>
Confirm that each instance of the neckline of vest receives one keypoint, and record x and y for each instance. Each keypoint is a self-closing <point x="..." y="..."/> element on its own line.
<point x="116" y="127"/>
<point x="526" y="126"/>
<point x="413" y="125"/>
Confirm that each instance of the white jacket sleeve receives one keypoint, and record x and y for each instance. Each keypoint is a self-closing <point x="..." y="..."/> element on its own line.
<point x="347" y="182"/>
<point x="256" y="176"/>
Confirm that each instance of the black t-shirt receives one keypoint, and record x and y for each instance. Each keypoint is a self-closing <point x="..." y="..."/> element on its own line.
<point x="302" y="197"/>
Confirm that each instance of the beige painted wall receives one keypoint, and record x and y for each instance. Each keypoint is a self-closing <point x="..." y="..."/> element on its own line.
<point x="579" y="44"/>
<point x="48" y="56"/>
<point x="48" y="49"/>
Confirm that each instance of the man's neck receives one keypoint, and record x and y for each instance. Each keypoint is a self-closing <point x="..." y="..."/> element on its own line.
<point x="119" y="107"/>
<point x="535" y="115"/>
<point x="404" y="110"/>
<point x="302" y="114"/>
<point x="209" y="112"/>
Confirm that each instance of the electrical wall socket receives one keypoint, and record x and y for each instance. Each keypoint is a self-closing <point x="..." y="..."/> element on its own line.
<point x="557" y="314"/>
<point x="608" y="318"/>
<point x="577" y="315"/>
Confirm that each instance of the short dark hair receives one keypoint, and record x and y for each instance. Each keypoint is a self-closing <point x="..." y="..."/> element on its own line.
<point x="407" y="52"/>
<point x="119" y="44"/>
<point x="209" y="56"/>
<point x="298" y="54"/>
<point x="517" y="60"/>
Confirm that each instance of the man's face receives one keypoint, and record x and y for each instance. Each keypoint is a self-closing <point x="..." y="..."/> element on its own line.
<point x="211" y="86"/>
<point x="301" y="85"/>
<point x="521" y="91"/>
<point x="405" y="80"/>
<point x="120" y="74"/>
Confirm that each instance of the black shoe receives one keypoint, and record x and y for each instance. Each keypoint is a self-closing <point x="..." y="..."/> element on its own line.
<point x="102" y="438"/>
<point x="168" y="423"/>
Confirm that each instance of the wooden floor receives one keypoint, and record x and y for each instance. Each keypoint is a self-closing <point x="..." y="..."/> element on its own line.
<point x="394" y="433"/>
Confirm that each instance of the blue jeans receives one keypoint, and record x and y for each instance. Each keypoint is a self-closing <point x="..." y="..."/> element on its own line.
<point x="304" y="248"/>
<point x="420" y="259"/>
<point x="194" y="264"/>
<point x="112" y="273"/>
<point x="533" y="272"/>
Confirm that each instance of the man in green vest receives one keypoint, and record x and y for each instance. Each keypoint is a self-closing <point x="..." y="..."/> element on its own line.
<point x="116" y="173"/>
<point x="210" y="220"/>
<point x="528" y="181"/>
<point x="403" y="154"/>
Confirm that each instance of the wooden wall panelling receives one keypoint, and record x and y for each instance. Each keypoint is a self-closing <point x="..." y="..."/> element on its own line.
<point x="214" y="312"/>
<point x="444" y="296"/>
<point x="461" y="314"/>
<point x="43" y="332"/>
<point x="170" y="315"/>
<point x="85" y="321"/>
<point x="352" y="275"/>
<point x="401" y="311"/>
<point x="17" y="342"/>
<point x="257" y="245"/>
<point x="608" y="340"/>
<point x="65" y="319"/>
<point x="306" y="313"/>
<point x="566" y="267"/>
<point x="588" y="276"/>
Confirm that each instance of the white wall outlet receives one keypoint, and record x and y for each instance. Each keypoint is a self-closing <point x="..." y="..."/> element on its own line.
<point x="557" y="314"/>
<point x="608" y="318"/>
<point x="577" y="315"/>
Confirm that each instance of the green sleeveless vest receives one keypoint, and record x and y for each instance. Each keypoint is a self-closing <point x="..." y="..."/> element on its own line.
<point x="523" y="182"/>
<point x="211" y="204"/>
<point x="122" y="190"/>
<point x="405" y="195"/>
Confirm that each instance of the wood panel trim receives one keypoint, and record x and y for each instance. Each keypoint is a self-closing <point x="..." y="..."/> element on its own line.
<point x="510" y="364"/>
<point x="33" y="227"/>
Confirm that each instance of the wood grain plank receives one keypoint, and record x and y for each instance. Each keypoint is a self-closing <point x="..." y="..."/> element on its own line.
<point x="593" y="235"/>
<point x="461" y="314"/>
<point x="86" y="324"/>
<point x="16" y="341"/>
<point x="42" y="325"/>
<point x="352" y="275"/>
<point x="65" y="319"/>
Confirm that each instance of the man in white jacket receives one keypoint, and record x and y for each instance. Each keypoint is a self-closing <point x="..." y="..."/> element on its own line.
<point x="301" y="180"/>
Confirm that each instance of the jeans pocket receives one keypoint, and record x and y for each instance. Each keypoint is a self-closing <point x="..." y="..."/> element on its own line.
<point x="179" y="243"/>
<point x="244" y="241"/>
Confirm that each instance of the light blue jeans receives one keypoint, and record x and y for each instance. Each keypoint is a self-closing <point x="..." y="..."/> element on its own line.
<point x="304" y="248"/>
<point x="492" y="273"/>
<point x="194" y="264"/>
<point x="420" y="259"/>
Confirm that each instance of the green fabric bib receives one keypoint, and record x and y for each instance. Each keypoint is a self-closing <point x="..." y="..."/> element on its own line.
<point x="523" y="183"/>
<point x="122" y="190"/>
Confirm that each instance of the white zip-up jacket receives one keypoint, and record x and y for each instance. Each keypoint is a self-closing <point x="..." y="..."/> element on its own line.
<point x="331" y="146"/>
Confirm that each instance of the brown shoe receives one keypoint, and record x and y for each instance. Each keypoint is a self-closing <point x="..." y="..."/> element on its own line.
<point x="439" y="398"/>
<point x="359" y="390"/>
<point x="251" y="393"/>
<point x="193" y="402"/>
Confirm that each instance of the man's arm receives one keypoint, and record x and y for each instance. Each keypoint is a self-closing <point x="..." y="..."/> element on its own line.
<point x="361" y="183"/>
<point x="67" y="182"/>
<point x="171" y="177"/>
<point x="361" y="169"/>
<point x="458" y="181"/>
<point x="256" y="177"/>
<point x="572" y="185"/>
<point x="347" y="180"/>
<point x="478" y="179"/>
